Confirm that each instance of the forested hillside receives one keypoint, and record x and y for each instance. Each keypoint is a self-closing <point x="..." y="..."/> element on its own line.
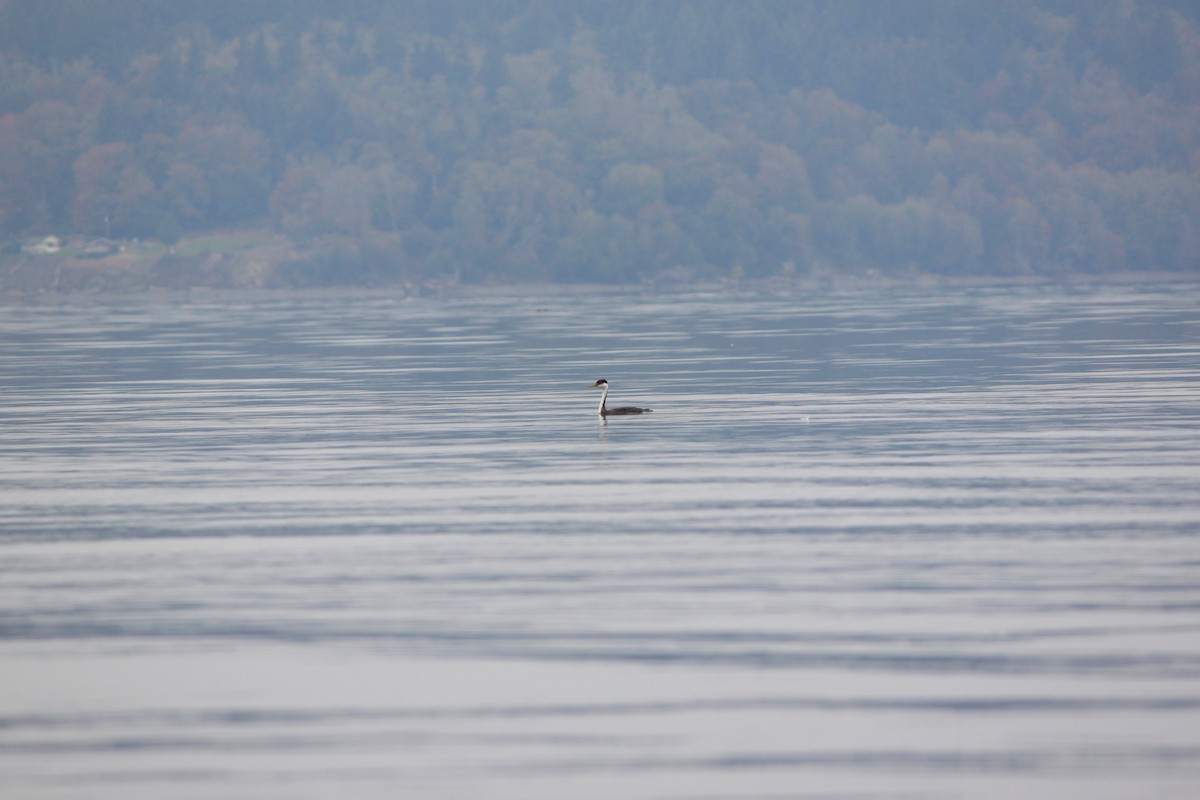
<point x="614" y="141"/>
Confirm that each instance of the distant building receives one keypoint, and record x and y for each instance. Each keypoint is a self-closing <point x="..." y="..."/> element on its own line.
<point x="99" y="248"/>
<point x="43" y="246"/>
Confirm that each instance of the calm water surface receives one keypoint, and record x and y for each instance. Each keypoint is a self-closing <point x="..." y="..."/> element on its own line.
<point x="867" y="545"/>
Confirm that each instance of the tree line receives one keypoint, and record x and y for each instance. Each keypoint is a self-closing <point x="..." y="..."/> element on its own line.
<point x="615" y="141"/>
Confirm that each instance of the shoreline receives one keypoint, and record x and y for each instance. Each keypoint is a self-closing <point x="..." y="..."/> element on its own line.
<point x="257" y="265"/>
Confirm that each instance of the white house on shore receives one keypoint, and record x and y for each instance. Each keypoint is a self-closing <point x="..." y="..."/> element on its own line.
<point x="46" y="245"/>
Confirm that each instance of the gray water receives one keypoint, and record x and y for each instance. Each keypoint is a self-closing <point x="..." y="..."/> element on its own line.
<point x="867" y="545"/>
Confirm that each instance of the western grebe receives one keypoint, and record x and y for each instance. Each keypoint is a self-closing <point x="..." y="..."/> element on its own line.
<point x="610" y="412"/>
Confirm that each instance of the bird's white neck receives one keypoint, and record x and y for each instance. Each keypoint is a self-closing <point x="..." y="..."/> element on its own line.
<point x="603" y="397"/>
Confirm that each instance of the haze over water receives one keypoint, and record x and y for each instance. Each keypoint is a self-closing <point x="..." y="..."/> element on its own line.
<point x="876" y="544"/>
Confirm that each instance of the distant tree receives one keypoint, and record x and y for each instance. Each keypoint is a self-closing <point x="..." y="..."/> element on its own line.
<point x="689" y="183"/>
<point x="230" y="163"/>
<point x="528" y="139"/>
<point x="185" y="193"/>
<point x="725" y="232"/>
<point x="782" y="179"/>
<point x="1157" y="215"/>
<point x="295" y="201"/>
<point x="49" y="136"/>
<point x="345" y="202"/>
<point x="16" y="183"/>
<point x="629" y="187"/>
<point x="114" y="197"/>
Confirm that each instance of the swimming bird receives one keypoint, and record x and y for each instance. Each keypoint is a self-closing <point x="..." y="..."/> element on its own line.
<point x="609" y="412"/>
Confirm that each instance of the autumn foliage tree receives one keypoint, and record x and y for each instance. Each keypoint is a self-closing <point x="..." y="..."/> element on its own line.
<point x="113" y="195"/>
<point x="618" y="140"/>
